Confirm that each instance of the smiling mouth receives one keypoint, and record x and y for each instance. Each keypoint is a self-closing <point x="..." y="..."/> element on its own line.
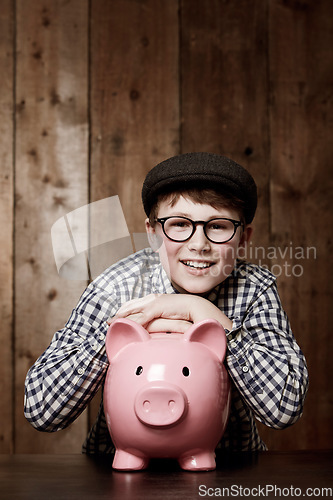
<point x="197" y="265"/>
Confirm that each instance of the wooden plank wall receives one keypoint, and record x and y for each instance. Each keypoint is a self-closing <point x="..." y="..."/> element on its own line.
<point x="94" y="93"/>
<point x="51" y="179"/>
<point x="6" y="225"/>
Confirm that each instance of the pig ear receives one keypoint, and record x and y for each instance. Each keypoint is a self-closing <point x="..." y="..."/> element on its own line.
<point x="210" y="333"/>
<point x="121" y="333"/>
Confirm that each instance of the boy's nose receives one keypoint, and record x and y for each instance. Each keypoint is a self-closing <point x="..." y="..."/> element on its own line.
<point x="198" y="240"/>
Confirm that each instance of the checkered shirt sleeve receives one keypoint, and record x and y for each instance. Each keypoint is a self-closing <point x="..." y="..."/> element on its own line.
<point x="67" y="375"/>
<point x="263" y="359"/>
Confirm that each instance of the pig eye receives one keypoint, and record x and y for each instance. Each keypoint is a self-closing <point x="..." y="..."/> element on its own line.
<point x="186" y="371"/>
<point x="139" y="370"/>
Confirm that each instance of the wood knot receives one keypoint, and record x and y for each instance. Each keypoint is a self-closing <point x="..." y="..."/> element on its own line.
<point x="134" y="94"/>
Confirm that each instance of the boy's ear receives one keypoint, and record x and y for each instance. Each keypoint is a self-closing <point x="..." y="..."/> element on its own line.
<point x="246" y="235"/>
<point x="155" y="241"/>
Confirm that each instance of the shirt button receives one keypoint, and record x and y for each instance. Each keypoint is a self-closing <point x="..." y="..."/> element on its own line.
<point x="245" y="369"/>
<point x="101" y="336"/>
<point x="233" y="345"/>
<point x="80" y="371"/>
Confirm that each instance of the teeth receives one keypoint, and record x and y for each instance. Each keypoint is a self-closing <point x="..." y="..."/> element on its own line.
<point x="197" y="265"/>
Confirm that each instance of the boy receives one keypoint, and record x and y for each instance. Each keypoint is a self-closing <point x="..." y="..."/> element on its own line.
<point x="199" y="208"/>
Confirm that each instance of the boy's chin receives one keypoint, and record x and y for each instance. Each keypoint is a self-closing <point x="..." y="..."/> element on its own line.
<point x="194" y="288"/>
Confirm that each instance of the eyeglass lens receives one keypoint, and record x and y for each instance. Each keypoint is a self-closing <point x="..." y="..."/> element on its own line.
<point x="217" y="230"/>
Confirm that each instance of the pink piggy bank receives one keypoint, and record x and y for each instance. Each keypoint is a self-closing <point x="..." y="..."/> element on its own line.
<point x="166" y="395"/>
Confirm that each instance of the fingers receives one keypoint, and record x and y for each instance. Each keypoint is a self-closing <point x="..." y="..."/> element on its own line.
<point x="137" y="317"/>
<point x="159" y="325"/>
<point x="185" y="308"/>
<point x="168" y="325"/>
<point x="132" y="307"/>
<point x="136" y="305"/>
<point x="154" y="306"/>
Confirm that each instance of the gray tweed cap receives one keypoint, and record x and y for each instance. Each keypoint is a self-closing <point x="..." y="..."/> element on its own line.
<point x="201" y="170"/>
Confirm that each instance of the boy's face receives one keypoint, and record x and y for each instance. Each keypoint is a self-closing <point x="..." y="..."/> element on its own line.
<point x="183" y="261"/>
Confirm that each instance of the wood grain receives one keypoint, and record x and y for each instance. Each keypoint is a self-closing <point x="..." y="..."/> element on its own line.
<point x="269" y="474"/>
<point x="51" y="180"/>
<point x="134" y="97"/>
<point x="301" y="188"/>
<point x="6" y="225"/>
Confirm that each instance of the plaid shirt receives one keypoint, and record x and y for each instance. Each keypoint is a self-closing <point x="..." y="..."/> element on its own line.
<point x="267" y="368"/>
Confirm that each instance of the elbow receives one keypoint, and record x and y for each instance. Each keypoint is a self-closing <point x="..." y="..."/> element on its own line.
<point x="43" y="423"/>
<point x="283" y="419"/>
<point x="40" y="410"/>
<point x="40" y="417"/>
<point x="40" y="425"/>
<point x="39" y="421"/>
<point x="287" y="411"/>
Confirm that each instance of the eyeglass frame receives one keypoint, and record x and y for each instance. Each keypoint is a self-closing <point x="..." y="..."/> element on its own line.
<point x="236" y="223"/>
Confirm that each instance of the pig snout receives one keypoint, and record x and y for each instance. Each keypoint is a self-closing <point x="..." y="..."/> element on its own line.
<point x="160" y="405"/>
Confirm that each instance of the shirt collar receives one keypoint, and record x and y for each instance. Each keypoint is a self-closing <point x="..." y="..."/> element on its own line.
<point x="160" y="281"/>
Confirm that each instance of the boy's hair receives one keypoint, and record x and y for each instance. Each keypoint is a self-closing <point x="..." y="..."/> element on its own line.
<point x="203" y="196"/>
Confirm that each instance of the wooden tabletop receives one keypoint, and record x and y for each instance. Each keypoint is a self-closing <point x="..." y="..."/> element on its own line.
<point x="265" y="474"/>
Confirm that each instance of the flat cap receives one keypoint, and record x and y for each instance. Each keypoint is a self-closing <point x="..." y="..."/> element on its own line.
<point x="201" y="170"/>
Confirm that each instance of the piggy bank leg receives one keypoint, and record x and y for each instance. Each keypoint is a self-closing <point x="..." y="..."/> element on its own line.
<point x="198" y="461"/>
<point x="127" y="461"/>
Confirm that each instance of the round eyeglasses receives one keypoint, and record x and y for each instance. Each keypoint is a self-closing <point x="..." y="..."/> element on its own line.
<point x="219" y="230"/>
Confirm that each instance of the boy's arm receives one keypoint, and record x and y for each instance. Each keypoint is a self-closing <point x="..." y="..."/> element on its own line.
<point x="263" y="358"/>
<point x="171" y="312"/>
<point x="68" y="374"/>
<point x="266" y="363"/>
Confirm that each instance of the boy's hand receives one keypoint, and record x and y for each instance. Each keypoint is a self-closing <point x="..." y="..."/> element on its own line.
<point x="170" y="312"/>
<point x="160" y="324"/>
